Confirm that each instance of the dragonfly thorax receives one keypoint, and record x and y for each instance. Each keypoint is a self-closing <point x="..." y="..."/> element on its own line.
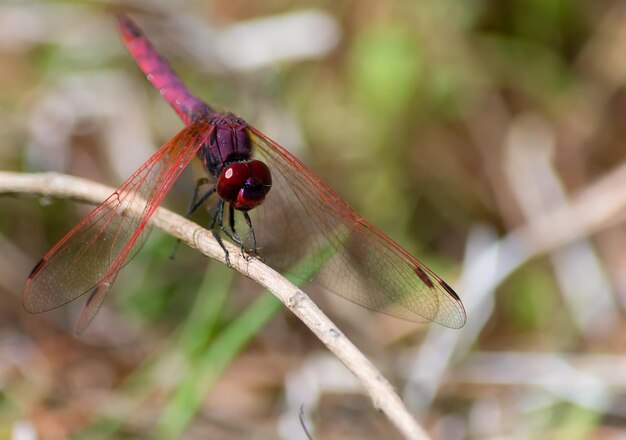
<point x="228" y="142"/>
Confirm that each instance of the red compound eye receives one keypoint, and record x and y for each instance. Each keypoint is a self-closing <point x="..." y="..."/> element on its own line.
<point x="244" y="184"/>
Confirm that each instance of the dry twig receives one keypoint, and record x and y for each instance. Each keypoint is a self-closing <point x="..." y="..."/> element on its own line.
<point x="381" y="392"/>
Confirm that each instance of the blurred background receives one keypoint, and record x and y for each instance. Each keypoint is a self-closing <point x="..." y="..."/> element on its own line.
<point x="485" y="136"/>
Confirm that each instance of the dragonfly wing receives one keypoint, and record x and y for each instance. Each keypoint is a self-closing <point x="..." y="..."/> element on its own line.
<point x="301" y="216"/>
<point x="93" y="303"/>
<point x="89" y="257"/>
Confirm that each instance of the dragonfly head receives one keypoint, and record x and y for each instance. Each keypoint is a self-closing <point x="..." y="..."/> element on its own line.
<point x="244" y="184"/>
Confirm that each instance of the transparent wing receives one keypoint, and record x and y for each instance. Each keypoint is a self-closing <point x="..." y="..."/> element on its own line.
<point x="301" y="216"/>
<point x="89" y="257"/>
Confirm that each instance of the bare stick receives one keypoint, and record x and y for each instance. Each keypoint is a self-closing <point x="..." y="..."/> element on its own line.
<point x="381" y="392"/>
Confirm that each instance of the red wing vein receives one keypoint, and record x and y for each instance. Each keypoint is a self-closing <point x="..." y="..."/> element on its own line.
<point x="94" y="250"/>
<point x="368" y="267"/>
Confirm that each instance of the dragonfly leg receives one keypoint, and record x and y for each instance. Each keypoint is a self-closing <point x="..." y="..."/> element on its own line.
<point x="231" y="224"/>
<point x="218" y="217"/>
<point x="197" y="202"/>
<point x="194" y="204"/>
<point x="220" y="223"/>
<point x="255" y="250"/>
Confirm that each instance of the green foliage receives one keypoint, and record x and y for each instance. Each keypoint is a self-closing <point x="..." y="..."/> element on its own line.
<point x="530" y="304"/>
<point x="385" y="69"/>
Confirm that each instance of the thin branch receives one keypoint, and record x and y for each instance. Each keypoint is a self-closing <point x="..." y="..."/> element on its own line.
<point x="381" y="392"/>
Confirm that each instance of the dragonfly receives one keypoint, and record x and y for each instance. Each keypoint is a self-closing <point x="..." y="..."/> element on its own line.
<point x="261" y="198"/>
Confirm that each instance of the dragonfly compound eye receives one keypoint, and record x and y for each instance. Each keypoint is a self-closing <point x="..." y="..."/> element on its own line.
<point x="244" y="184"/>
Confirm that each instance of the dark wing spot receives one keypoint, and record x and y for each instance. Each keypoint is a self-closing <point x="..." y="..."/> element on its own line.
<point x="37" y="267"/>
<point x="425" y="278"/>
<point x="449" y="290"/>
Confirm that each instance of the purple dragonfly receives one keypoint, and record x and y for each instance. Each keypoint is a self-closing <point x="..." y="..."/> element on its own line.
<point x="262" y="198"/>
